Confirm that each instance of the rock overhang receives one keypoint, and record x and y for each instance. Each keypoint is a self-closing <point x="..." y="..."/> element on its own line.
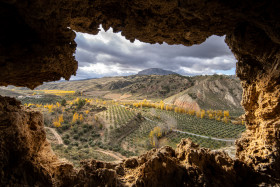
<point x="37" y="45"/>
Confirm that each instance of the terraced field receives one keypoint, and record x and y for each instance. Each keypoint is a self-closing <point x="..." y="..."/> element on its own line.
<point x="206" y="127"/>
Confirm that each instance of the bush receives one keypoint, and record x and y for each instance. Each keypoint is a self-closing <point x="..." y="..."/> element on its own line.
<point x="92" y="144"/>
<point x="85" y="126"/>
<point x="75" y="144"/>
<point x="76" y="137"/>
<point x="63" y="102"/>
<point x="59" y="130"/>
<point x="85" y="130"/>
<point x="81" y="103"/>
<point x="65" y="126"/>
<point x="116" y="149"/>
<point x="66" y="136"/>
<point x="67" y="142"/>
<point x="80" y="133"/>
<point x="75" y="129"/>
<point x="83" y="139"/>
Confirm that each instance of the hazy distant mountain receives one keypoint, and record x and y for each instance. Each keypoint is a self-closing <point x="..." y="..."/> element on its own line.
<point x="155" y="71"/>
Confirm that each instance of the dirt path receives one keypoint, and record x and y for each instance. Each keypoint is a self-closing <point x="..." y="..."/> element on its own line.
<point x="219" y="139"/>
<point x="57" y="136"/>
<point x="184" y="132"/>
<point x="115" y="155"/>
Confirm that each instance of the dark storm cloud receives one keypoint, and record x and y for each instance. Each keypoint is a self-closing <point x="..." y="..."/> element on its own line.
<point x="110" y="54"/>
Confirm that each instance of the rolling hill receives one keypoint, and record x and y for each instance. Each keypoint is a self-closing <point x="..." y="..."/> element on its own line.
<point x="216" y="92"/>
<point x="197" y="92"/>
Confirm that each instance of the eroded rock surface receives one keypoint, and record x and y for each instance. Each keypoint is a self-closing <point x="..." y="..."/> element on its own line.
<point x="37" y="45"/>
<point x="259" y="72"/>
<point x="27" y="159"/>
<point x="37" y="39"/>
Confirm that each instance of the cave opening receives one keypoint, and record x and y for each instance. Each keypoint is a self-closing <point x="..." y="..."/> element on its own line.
<point x="109" y="112"/>
<point x="43" y="52"/>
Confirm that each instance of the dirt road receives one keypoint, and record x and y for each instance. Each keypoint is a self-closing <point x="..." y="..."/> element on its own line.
<point x="57" y="136"/>
<point x="219" y="139"/>
<point x="115" y="155"/>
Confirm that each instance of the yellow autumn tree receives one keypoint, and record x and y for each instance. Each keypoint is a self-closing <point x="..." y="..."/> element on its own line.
<point x="50" y="107"/>
<point x="154" y="134"/>
<point x="57" y="104"/>
<point x="81" y="118"/>
<point x="60" y="118"/>
<point x="202" y="114"/>
<point x="198" y="115"/>
<point x="75" y="117"/>
<point x="226" y="113"/>
<point x="225" y="120"/>
<point x="56" y="123"/>
<point x="161" y="105"/>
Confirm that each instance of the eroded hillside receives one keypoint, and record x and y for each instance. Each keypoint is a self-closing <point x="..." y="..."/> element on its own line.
<point x="219" y="92"/>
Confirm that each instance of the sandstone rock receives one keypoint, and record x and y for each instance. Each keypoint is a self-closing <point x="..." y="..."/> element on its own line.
<point x="37" y="45"/>
<point x="131" y="162"/>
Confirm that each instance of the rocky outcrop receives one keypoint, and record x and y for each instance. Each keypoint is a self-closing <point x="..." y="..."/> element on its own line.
<point x="258" y="70"/>
<point x="37" y="45"/>
<point x="24" y="150"/>
<point x="27" y="159"/>
<point x="39" y="37"/>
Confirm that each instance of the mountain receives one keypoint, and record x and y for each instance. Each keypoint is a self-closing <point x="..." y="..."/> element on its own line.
<point x="155" y="71"/>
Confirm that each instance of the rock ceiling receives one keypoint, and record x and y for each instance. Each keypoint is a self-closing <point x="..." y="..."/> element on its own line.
<point x="37" y="45"/>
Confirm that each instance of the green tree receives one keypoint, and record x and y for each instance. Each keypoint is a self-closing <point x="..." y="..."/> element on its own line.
<point x="63" y="102"/>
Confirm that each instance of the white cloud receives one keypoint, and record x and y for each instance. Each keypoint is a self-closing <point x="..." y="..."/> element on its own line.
<point x="110" y="54"/>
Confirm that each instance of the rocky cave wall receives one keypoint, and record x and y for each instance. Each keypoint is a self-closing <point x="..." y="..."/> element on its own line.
<point x="37" y="45"/>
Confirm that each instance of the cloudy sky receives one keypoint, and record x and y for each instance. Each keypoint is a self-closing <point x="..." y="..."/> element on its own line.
<point x="110" y="54"/>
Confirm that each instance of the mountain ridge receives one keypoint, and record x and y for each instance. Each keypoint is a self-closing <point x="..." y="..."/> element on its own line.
<point x="155" y="71"/>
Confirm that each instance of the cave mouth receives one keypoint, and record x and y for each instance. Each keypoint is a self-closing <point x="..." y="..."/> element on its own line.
<point x="94" y="122"/>
<point x="44" y="51"/>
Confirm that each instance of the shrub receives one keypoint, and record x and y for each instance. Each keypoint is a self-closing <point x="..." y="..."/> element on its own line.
<point x="80" y="103"/>
<point x="75" y="143"/>
<point x="83" y="139"/>
<point x="66" y="136"/>
<point x="63" y="102"/>
<point x="85" y="130"/>
<point x="59" y="130"/>
<point x="80" y="133"/>
<point x="85" y="126"/>
<point x="67" y="142"/>
<point x="75" y="129"/>
<point x="76" y="137"/>
<point x="65" y="126"/>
